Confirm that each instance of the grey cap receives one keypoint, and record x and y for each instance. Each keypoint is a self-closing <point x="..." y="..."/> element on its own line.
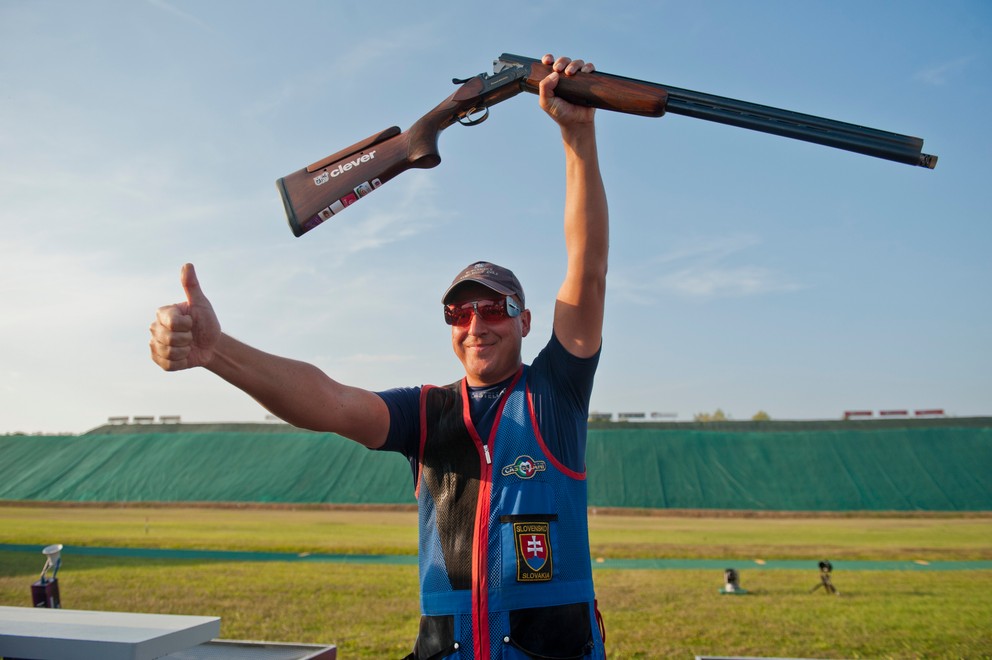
<point x="499" y="279"/>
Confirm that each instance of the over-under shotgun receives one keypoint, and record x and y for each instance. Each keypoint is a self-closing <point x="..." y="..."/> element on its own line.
<point x="321" y="190"/>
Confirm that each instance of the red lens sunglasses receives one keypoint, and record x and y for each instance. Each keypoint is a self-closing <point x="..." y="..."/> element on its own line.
<point x="490" y="311"/>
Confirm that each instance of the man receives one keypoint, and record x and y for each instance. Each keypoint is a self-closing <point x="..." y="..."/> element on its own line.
<point x="499" y="457"/>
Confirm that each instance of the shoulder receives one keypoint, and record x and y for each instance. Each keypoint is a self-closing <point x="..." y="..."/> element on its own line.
<point x="555" y="363"/>
<point x="561" y="379"/>
<point x="400" y="396"/>
<point x="560" y="387"/>
<point x="404" y="418"/>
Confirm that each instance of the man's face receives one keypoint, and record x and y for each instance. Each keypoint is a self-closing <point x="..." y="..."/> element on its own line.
<point x="489" y="351"/>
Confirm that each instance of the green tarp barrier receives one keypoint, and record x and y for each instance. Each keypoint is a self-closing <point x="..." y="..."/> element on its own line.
<point x="786" y="467"/>
<point x="908" y="469"/>
<point x="201" y="467"/>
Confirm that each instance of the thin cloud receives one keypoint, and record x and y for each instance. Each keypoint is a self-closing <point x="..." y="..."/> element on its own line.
<point x="712" y="282"/>
<point x="699" y="269"/>
<point x="367" y="358"/>
<point x="939" y="74"/>
<point x="344" y="68"/>
<point x="179" y="13"/>
<point x="389" y="223"/>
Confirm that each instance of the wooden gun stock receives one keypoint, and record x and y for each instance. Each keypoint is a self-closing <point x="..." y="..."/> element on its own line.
<point x="325" y="188"/>
<point x="321" y="190"/>
<point x="317" y="192"/>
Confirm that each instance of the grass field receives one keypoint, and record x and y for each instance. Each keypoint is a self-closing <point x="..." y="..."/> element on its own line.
<point x="370" y="610"/>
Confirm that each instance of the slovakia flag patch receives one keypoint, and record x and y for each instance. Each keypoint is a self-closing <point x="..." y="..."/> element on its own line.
<point x="533" y="541"/>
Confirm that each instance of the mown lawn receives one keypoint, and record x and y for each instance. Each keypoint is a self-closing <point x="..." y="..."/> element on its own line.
<point x="370" y="610"/>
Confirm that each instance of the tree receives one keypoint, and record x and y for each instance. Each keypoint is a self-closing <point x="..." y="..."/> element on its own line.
<point x="716" y="416"/>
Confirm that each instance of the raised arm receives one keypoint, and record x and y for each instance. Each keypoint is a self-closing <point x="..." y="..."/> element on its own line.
<point x="188" y="334"/>
<point x="578" y="321"/>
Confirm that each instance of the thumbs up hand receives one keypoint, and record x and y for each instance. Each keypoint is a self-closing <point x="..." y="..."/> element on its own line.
<point x="184" y="334"/>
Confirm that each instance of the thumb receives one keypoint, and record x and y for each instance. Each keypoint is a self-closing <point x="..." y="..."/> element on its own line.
<point x="546" y="93"/>
<point x="547" y="86"/>
<point x="191" y="286"/>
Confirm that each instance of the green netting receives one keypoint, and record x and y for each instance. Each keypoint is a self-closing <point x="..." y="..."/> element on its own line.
<point x="207" y="467"/>
<point x="883" y="468"/>
<point x="887" y="469"/>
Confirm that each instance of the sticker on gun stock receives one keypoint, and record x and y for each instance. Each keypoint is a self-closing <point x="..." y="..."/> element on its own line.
<point x="328" y="212"/>
<point x="311" y="223"/>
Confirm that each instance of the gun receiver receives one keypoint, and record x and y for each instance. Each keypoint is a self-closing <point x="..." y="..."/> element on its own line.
<point x="323" y="189"/>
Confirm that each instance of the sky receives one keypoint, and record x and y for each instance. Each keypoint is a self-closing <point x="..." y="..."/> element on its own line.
<point x="748" y="272"/>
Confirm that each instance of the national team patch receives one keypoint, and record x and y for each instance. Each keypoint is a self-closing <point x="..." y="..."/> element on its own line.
<point x="533" y="541"/>
<point x="524" y="467"/>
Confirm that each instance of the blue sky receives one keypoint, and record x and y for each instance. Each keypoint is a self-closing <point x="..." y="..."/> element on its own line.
<point x="748" y="272"/>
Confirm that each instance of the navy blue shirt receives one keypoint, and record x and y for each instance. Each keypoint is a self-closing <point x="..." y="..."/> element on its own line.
<point x="560" y="386"/>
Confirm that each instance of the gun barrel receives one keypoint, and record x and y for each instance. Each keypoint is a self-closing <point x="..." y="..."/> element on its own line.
<point x="798" y="126"/>
<point x="786" y="123"/>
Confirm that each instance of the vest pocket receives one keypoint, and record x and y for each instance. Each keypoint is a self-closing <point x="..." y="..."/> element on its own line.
<point x="560" y="632"/>
<point x="436" y="639"/>
<point x="527" y="544"/>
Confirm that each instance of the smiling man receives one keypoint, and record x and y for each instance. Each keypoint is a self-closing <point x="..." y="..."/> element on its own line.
<point x="488" y="348"/>
<point x="498" y="457"/>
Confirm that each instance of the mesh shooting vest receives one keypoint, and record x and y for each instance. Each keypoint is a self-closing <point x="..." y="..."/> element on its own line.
<point x="504" y="550"/>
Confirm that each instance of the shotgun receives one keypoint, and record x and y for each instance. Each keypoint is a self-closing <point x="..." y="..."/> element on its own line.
<point x="325" y="188"/>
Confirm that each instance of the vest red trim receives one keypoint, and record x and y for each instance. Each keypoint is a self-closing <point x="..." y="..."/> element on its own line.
<point x="564" y="469"/>
<point x="480" y="544"/>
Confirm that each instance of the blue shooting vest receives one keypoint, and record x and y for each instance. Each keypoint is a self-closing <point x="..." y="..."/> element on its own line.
<point x="504" y="542"/>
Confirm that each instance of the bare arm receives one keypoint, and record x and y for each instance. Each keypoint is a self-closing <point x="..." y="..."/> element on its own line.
<point x="581" y="299"/>
<point x="188" y="334"/>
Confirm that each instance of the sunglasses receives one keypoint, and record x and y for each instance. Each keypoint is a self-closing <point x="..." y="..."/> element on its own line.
<point x="490" y="311"/>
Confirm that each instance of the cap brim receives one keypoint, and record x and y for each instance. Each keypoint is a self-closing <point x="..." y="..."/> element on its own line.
<point x="445" y="299"/>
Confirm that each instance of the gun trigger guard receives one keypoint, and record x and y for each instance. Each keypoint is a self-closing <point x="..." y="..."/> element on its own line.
<point x="467" y="119"/>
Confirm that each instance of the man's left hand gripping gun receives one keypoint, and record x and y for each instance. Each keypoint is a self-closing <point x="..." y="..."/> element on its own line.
<point x="319" y="191"/>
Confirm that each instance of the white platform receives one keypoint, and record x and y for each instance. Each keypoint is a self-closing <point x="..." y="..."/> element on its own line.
<point x="223" y="649"/>
<point x="56" y="634"/>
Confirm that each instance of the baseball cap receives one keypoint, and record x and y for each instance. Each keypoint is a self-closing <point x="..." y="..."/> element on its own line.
<point x="499" y="279"/>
